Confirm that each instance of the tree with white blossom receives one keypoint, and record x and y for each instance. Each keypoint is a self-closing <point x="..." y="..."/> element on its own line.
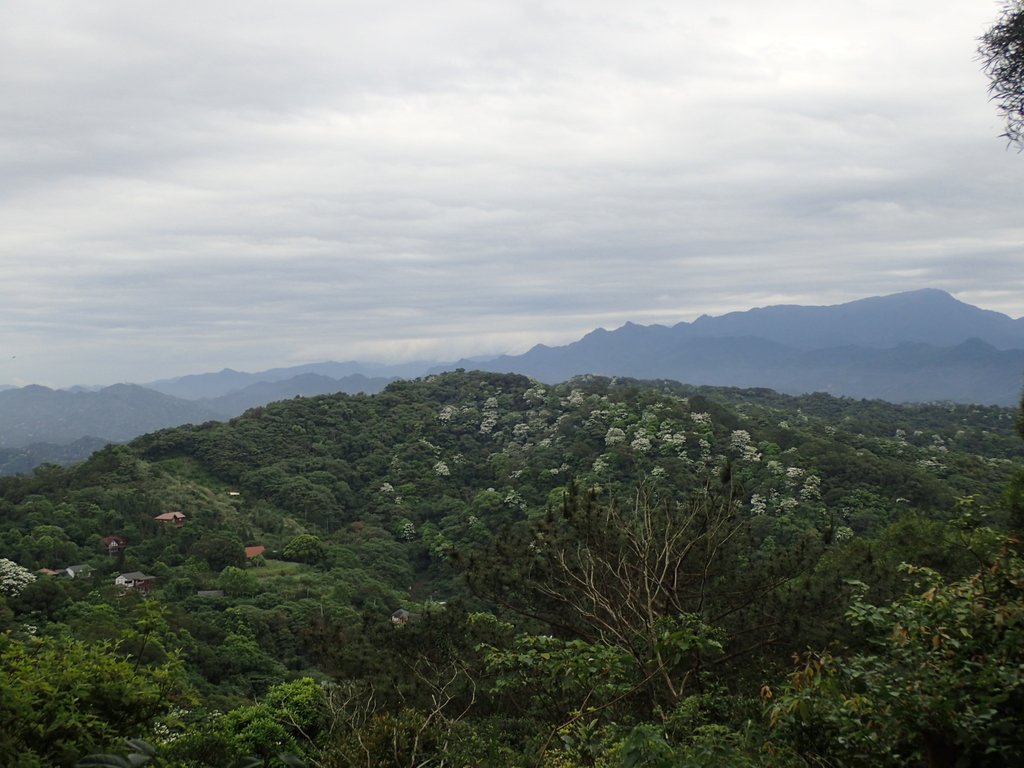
<point x="13" y="577"/>
<point x="741" y="443"/>
<point x="614" y="436"/>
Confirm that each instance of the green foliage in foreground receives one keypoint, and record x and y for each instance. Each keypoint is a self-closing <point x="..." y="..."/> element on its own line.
<point x="938" y="683"/>
<point x="143" y="753"/>
<point x="61" y="697"/>
<point x="943" y="681"/>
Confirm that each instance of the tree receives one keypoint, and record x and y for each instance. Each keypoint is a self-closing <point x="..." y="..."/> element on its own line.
<point x="305" y="548"/>
<point x="944" y="685"/>
<point x="13" y="577"/>
<point x="656" y="579"/>
<point x="219" y="551"/>
<point x="235" y="582"/>
<point x="61" y="698"/>
<point x="1002" y="51"/>
<point x="1013" y="496"/>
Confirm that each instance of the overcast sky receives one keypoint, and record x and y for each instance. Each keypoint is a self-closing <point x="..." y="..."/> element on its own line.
<point x="189" y="186"/>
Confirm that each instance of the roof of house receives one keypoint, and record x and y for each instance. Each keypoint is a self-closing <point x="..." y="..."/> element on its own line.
<point x="136" y="576"/>
<point x="108" y="540"/>
<point x="78" y="568"/>
<point x="253" y="551"/>
<point x="210" y="593"/>
<point x="170" y="516"/>
<point x="49" y="572"/>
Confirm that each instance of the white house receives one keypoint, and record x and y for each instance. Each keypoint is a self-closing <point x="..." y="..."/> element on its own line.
<point x="135" y="580"/>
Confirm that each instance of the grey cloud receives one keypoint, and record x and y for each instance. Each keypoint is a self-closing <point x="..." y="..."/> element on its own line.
<point x="245" y="184"/>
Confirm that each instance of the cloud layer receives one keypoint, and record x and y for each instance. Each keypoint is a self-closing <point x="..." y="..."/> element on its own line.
<point x="257" y="184"/>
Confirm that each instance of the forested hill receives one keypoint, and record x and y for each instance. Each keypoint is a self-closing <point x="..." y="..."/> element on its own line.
<point x="456" y="499"/>
<point x="918" y="346"/>
<point x="322" y="462"/>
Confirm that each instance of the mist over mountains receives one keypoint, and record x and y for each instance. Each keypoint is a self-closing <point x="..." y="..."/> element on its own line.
<point x="918" y="346"/>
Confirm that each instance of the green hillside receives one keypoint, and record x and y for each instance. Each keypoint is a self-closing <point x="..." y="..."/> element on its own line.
<point x="602" y="572"/>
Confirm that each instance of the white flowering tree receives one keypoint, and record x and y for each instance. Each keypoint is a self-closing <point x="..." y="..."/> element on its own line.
<point x="743" y="447"/>
<point x="614" y="436"/>
<point x="13" y="577"/>
<point x="405" y="530"/>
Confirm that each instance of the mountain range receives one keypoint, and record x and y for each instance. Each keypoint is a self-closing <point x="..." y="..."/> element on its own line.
<point x="917" y="346"/>
<point x="40" y="425"/>
<point x="910" y="347"/>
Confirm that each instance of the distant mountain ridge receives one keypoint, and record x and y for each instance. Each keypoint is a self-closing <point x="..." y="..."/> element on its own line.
<point x="917" y="346"/>
<point x="15" y="461"/>
<point x="928" y="316"/>
<point x="228" y="381"/>
<point x="907" y="347"/>
<point x="304" y="385"/>
<point x="47" y="418"/>
<point x="36" y="414"/>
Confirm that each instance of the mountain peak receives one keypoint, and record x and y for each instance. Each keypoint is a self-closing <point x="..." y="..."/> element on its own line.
<point x="925" y="292"/>
<point x="917" y="345"/>
<point x="918" y="297"/>
<point x="927" y="315"/>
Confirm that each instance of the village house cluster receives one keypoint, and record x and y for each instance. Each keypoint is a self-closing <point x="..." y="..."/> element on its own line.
<point x="114" y="545"/>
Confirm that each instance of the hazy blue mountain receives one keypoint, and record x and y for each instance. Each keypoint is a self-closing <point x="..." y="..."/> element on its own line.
<point x="228" y="381"/>
<point x="336" y="370"/>
<point x="304" y="385"/>
<point x="929" y="316"/>
<point x="36" y="414"/>
<point x="972" y="372"/>
<point x="204" y="385"/>
<point x="22" y="460"/>
<point x="39" y="425"/>
<point x="908" y="347"/>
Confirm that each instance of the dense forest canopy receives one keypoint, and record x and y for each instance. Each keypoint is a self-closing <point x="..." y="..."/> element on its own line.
<point x="478" y="569"/>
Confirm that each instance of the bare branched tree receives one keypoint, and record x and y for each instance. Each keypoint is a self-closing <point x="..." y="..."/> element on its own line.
<point x="350" y="707"/>
<point x="355" y="712"/>
<point x="447" y="707"/>
<point x="632" y="568"/>
<point x="657" y="578"/>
